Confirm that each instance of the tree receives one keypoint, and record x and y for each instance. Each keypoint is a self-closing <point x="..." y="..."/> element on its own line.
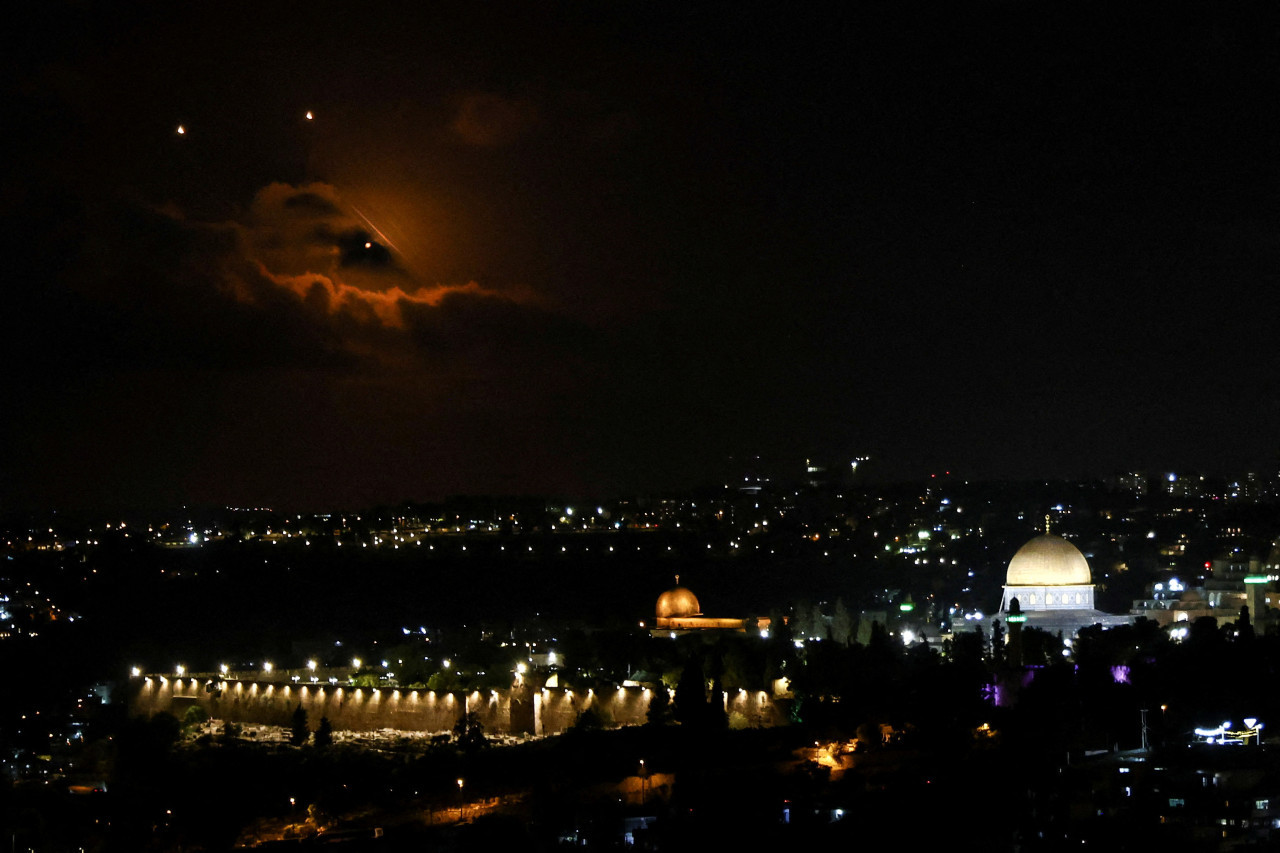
<point x="1244" y="627"/>
<point x="298" y="731"/>
<point x="443" y="681"/>
<point x="324" y="733"/>
<point x="195" y="717"/>
<point x="1039" y="647"/>
<point x="802" y="620"/>
<point x="818" y="624"/>
<point x="691" y="694"/>
<point x="717" y="714"/>
<point x="659" y="706"/>
<point x="841" y="624"/>
<point x="468" y="733"/>
<point x="588" y="720"/>
<point x="969" y="647"/>
<point x="738" y="670"/>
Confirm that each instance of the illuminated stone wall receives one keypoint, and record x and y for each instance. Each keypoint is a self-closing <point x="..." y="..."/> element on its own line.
<point x="516" y="710"/>
<point x="351" y="708"/>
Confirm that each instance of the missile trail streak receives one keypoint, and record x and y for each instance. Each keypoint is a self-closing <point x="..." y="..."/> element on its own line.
<point x="383" y="237"/>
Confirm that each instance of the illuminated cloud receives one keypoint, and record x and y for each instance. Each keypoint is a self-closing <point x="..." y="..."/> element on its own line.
<point x="306" y="241"/>
<point x="382" y="306"/>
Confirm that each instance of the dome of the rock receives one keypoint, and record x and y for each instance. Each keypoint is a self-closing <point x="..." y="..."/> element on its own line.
<point x="1048" y="560"/>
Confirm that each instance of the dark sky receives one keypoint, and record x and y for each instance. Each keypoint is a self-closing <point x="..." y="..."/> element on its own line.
<point x="612" y="244"/>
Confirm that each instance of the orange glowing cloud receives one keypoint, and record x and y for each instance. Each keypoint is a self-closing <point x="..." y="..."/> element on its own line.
<point x="307" y="241"/>
<point x="381" y="306"/>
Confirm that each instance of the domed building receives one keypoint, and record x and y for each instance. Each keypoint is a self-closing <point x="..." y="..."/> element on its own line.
<point x="1051" y="581"/>
<point x="678" y="602"/>
<point x="1048" y="573"/>
<point x="678" y="612"/>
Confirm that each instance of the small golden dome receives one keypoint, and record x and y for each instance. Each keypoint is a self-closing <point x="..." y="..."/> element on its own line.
<point x="678" y="601"/>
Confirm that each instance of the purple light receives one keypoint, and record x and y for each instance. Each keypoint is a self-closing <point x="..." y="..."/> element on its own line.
<point x="1120" y="674"/>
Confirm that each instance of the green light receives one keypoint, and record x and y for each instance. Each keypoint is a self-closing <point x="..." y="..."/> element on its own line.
<point x="1015" y="617"/>
<point x="1256" y="579"/>
<point x="907" y="607"/>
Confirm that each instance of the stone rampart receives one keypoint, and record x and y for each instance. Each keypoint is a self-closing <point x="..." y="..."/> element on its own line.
<point x="519" y="709"/>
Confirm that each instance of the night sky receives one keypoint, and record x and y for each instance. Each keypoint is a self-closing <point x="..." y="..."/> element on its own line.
<point x="601" y="247"/>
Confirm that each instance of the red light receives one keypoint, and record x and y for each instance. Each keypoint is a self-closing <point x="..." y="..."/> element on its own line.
<point x="1208" y="564"/>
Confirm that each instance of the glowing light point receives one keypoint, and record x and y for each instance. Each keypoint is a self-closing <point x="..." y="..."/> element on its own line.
<point x="368" y="245"/>
<point x="181" y="130"/>
<point x="309" y="115"/>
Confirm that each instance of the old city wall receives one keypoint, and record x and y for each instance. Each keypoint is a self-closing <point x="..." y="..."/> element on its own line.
<point x="520" y="709"/>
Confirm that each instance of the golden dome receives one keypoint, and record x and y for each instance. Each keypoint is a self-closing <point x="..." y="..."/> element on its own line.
<point x="1048" y="560"/>
<point x="678" y="601"/>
